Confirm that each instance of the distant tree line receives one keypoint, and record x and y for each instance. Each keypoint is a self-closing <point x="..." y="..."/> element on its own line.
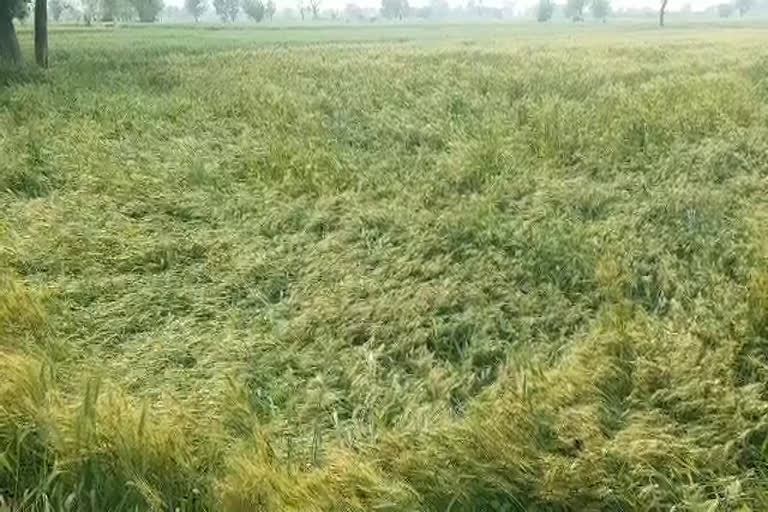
<point x="601" y="9"/>
<point x="261" y="10"/>
<point x="152" y="10"/>
<point x="740" y="7"/>
<point x="574" y="9"/>
<point x="545" y="10"/>
<point x="146" y="11"/>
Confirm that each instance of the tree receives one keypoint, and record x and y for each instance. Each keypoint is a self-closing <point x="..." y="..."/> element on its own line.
<point x="600" y="9"/>
<point x="147" y="9"/>
<point x="662" y="11"/>
<point x="271" y="9"/>
<point x="90" y="8"/>
<point x="314" y="6"/>
<point x="254" y="9"/>
<point x="57" y="8"/>
<point x="41" y="33"/>
<point x="574" y="9"/>
<point x="743" y="6"/>
<point x="108" y="10"/>
<point x="9" y="44"/>
<point x="172" y="13"/>
<point x="354" y="12"/>
<point x="439" y="9"/>
<point x="509" y="9"/>
<point x="195" y="8"/>
<point x="725" y="10"/>
<point x="544" y="10"/>
<point x="227" y="9"/>
<point x="391" y="9"/>
<point x="125" y="11"/>
<point x="118" y="10"/>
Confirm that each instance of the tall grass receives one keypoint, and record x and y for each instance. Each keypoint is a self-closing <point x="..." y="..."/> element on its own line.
<point x="496" y="271"/>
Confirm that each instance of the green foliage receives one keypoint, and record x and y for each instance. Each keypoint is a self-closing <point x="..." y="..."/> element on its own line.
<point x="725" y="10"/>
<point x="123" y="10"/>
<point x="10" y="9"/>
<point x="601" y="9"/>
<point x="742" y="6"/>
<point x="574" y="9"/>
<point x="90" y="10"/>
<point x="22" y="317"/>
<point x="254" y="9"/>
<point x="227" y="10"/>
<point x="241" y="274"/>
<point x="545" y="10"/>
<point x="108" y="10"/>
<point x="126" y="11"/>
<point x="147" y="9"/>
<point x="394" y="9"/>
<point x="57" y="8"/>
<point x="10" y="52"/>
<point x="113" y="10"/>
<point x="196" y="8"/>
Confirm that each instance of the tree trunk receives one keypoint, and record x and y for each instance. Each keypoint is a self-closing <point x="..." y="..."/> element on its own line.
<point x="9" y="45"/>
<point x="41" y="33"/>
<point x="662" y="11"/>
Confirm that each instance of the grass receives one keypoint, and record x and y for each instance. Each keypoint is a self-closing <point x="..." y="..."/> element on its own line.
<point x="386" y="268"/>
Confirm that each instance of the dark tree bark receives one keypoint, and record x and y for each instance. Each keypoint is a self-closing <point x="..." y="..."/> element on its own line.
<point x="9" y="44"/>
<point x="41" y="33"/>
<point x="662" y="11"/>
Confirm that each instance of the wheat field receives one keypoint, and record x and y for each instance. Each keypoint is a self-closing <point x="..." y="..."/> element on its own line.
<point x="406" y="268"/>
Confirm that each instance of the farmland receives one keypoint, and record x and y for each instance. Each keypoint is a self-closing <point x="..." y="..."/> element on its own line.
<point x="407" y="268"/>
